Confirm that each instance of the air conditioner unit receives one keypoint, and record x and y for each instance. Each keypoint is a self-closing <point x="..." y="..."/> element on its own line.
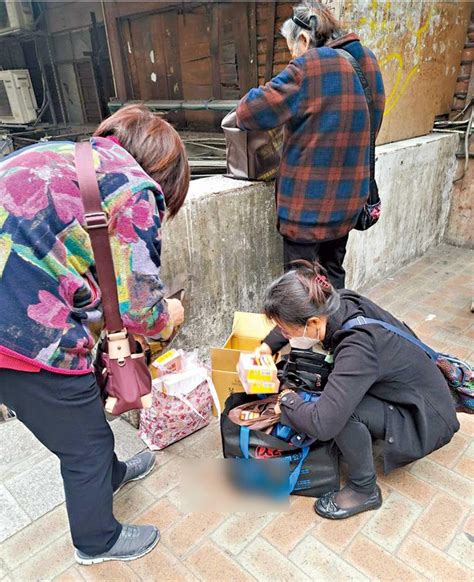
<point x="17" y="100"/>
<point x="15" y="16"/>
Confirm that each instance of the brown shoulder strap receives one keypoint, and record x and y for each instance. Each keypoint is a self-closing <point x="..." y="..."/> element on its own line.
<point x="97" y="227"/>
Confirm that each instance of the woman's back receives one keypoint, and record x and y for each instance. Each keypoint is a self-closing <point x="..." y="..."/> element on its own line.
<point x="48" y="295"/>
<point x="370" y="360"/>
<point x="323" y="178"/>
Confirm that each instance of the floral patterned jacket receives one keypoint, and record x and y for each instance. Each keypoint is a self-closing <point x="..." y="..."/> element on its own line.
<point x="50" y="303"/>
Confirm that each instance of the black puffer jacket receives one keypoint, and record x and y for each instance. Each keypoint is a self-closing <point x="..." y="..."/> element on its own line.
<point x="419" y="411"/>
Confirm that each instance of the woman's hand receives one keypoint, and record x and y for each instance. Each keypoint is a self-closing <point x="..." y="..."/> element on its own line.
<point x="262" y="350"/>
<point x="176" y="311"/>
<point x="280" y="396"/>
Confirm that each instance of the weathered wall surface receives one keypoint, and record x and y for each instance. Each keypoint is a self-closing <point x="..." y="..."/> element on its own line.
<point x="415" y="179"/>
<point x="459" y="231"/>
<point x="419" y="46"/>
<point x="224" y="48"/>
<point x="225" y="239"/>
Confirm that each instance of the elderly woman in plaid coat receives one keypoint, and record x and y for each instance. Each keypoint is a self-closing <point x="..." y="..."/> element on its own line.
<point x="323" y="180"/>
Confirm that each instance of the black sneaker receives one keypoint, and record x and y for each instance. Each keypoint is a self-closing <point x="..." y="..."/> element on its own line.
<point x="134" y="542"/>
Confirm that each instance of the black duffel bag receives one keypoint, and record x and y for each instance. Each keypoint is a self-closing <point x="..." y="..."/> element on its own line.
<point x="314" y="466"/>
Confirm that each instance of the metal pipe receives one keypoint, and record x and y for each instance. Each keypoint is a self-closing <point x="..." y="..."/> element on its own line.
<point x="171" y="105"/>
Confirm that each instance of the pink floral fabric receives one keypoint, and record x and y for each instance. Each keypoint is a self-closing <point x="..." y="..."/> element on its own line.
<point x="171" y="419"/>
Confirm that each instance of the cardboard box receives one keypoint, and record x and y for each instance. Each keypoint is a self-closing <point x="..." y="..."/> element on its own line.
<point x="258" y="375"/>
<point x="248" y="331"/>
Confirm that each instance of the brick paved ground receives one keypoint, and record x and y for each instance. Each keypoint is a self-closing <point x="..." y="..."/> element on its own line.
<point x="425" y="529"/>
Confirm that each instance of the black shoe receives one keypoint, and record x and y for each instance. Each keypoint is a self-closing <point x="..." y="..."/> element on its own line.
<point x="327" y="507"/>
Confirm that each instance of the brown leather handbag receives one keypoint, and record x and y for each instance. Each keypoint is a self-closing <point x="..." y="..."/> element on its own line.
<point x="264" y="410"/>
<point x="121" y="371"/>
<point x="251" y="155"/>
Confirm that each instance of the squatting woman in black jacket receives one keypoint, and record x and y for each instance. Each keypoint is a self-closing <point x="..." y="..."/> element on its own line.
<point x="381" y="386"/>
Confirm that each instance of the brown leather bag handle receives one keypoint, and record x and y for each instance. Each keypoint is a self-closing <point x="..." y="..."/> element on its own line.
<point x="97" y="227"/>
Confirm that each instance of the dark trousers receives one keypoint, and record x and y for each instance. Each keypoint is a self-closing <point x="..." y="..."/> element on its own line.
<point x="330" y="254"/>
<point x="355" y="443"/>
<point x="66" y="414"/>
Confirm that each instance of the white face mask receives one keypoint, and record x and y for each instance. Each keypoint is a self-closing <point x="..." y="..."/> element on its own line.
<point x="303" y="342"/>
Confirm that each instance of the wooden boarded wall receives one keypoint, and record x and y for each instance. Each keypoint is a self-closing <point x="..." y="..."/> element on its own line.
<point x="221" y="49"/>
<point x="195" y="52"/>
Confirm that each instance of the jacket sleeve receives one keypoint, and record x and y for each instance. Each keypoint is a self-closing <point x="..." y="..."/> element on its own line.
<point x="273" y="104"/>
<point x="136" y="249"/>
<point x="275" y="340"/>
<point x="355" y="371"/>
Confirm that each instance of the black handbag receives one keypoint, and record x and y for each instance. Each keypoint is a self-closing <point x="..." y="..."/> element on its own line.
<point x="304" y="369"/>
<point x="314" y="468"/>
<point x="370" y="213"/>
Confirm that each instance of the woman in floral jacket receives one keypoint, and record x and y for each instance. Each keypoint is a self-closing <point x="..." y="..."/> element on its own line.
<point x="51" y="304"/>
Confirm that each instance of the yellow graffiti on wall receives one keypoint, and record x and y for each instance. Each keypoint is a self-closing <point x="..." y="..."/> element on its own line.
<point x="402" y="78"/>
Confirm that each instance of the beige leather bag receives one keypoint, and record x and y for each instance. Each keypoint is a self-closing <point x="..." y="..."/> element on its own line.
<point x="251" y="155"/>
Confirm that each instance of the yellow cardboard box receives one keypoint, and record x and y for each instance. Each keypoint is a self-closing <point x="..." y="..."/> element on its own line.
<point x="248" y="331"/>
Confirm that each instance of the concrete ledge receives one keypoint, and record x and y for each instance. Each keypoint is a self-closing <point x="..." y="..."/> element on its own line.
<point x="226" y="243"/>
<point x="225" y="240"/>
<point x="415" y="179"/>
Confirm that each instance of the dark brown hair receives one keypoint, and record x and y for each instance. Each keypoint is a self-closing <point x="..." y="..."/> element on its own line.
<point x="300" y="294"/>
<point x="156" y="146"/>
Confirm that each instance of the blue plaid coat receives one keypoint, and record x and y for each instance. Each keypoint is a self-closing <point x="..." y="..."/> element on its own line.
<point x="323" y="179"/>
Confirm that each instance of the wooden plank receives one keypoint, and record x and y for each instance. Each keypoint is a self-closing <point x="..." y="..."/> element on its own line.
<point x="195" y="34"/>
<point x="270" y="41"/>
<point x="158" y="68"/>
<point x="228" y="52"/>
<point x="131" y="70"/>
<point x="240" y="27"/>
<point x="115" y="49"/>
<point x="284" y="10"/>
<point x="136" y="9"/>
<point x="280" y="44"/>
<point x="173" y="55"/>
<point x="252" y="17"/>
<point x="215" y="51"/>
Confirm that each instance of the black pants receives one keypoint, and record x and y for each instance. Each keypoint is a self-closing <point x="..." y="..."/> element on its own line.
<point x="66" y="414"/>
<point x="355" y="443"/>
<point x="330" y="254"/>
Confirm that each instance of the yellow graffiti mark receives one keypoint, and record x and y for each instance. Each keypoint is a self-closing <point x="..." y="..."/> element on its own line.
<point x="401" y="82"/>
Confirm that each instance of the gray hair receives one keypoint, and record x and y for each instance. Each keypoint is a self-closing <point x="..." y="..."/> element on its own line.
<point x="319" y="17"/>
<point x="300" y="294"/>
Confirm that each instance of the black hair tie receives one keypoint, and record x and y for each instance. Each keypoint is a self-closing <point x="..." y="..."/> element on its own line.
<point x="302" y="23"/>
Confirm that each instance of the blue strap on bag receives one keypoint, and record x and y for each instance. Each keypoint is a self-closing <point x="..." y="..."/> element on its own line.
<point x="244" y="441"/>
<point x="288" y="434"/>
<point x="404" y="334"/>
<point x="294" y="475"/>
<point x="459" y="375"/>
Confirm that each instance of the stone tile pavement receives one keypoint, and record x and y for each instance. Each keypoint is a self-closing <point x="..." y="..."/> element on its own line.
<point x="425" y="529"/>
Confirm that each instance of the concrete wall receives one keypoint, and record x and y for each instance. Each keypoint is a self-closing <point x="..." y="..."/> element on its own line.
<point x="415" y="179"/>
<point x="459" y="231"/>
<point x="225" y="241"/>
